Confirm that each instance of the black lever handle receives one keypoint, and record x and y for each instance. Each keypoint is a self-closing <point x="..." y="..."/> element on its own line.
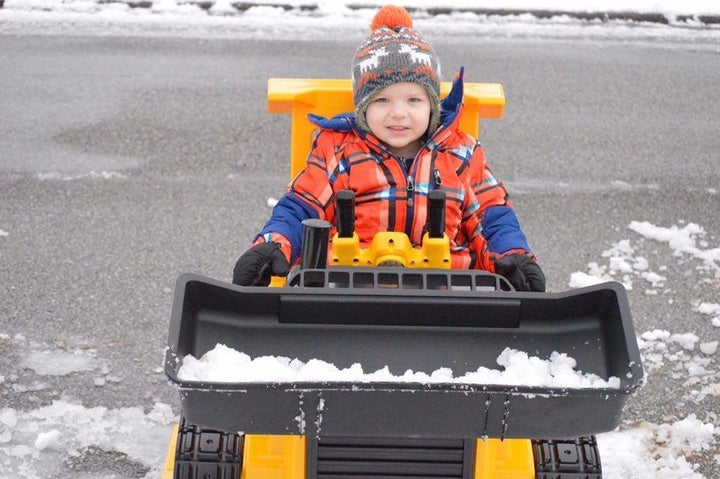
<point x="436" y="213"/>
<point x="345" y="212"/>
<point x="316" y="234"/>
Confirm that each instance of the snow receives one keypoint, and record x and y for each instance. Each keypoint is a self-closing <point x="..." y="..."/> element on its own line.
<point x="55" y="363"/>
<point x="624" y="265"/>
<point x="668" y="7"/>
<point x="690" y="358"/>
<point x="650" y="451"/>
<point x="711" y="309"/>
<point x="220" y="18"/>
<point x="222" y="364"/>
<point x="33" y="443"/>
<point x="621" y="262"/>
<point x="36" y="440"/>
<point x="48" y="440"/>
<point x="103" y="175"/>
<point x="709" y="348"/>
<point x="685" y="240"/>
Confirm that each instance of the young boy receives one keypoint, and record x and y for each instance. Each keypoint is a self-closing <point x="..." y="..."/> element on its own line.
<point x="400" y="143"/>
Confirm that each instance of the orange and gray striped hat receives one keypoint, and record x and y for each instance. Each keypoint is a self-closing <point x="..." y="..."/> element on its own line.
<point x="394" y="53"/>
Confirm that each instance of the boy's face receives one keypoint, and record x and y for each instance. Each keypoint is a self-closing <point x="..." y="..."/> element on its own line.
<point x="399" y="115"/>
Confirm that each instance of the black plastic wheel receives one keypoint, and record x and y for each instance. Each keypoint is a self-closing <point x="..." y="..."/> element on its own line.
<point x="567" y="458"/>
<point x="207" y="453"/>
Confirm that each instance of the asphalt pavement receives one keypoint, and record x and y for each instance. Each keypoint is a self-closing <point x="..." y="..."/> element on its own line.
<point x="127" y="161"/>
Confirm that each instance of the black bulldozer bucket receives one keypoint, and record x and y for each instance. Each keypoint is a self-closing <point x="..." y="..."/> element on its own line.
<point x="404" y="319"/>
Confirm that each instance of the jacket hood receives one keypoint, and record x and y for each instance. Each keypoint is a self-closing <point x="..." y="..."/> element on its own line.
<point x="450" y="107"/>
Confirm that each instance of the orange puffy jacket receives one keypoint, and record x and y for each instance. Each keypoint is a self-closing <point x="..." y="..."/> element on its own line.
<point x="480" y="221"/>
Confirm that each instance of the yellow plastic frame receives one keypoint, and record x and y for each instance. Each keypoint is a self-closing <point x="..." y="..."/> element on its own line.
<point x="391" y="247"/>
<point x="328" y="97"/>
<point x="284" y="457"/>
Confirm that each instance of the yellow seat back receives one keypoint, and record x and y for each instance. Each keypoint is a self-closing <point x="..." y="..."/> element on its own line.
<point x="329" y="97"/>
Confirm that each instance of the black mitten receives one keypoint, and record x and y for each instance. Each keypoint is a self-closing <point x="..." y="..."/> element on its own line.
<point x="522" y="272"/>
<point x="259" y="263"/>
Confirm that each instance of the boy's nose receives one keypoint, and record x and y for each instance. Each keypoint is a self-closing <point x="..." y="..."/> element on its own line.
<point x="397" y="111"/>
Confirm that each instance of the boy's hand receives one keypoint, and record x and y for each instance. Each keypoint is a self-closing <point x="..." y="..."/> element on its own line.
<point x="257" y="264"/>
<point x="522" y="272"/>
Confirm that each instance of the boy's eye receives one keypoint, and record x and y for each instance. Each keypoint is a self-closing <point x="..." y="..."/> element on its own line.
<point x="381" y="100"/>
<point x="415" y="100"/>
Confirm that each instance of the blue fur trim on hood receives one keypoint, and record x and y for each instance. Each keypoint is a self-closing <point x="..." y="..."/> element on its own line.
<point x="449" y="109"/>
<point x="341" y="122"/>
<point x="450" y="105"/>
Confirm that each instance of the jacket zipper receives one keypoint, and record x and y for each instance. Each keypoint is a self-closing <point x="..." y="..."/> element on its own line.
<point x="410" y="190"/>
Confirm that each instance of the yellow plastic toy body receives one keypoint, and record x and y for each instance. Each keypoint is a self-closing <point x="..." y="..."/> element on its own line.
<point x="284" y="456"/>
<point x="273" y="457"/>
<point x="391" y="248"/>
<point x="504" y="459"/>
<point x="328" y="97"/>
<point x="168" y="471"/>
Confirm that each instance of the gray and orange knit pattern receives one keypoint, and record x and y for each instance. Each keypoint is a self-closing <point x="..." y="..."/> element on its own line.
<point x="394" y="53"/>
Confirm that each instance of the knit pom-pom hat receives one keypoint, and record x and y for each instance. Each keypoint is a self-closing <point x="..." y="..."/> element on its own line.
<point x="394" y="53"/>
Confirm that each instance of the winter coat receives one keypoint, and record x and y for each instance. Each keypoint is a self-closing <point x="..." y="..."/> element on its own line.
<point x="479" y="220"/>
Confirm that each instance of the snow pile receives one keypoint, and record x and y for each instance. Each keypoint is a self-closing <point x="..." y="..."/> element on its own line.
<point x="686" y="240"/>
<point x="224" y="364"/>
<point x="712" y="309"/>
<point x="650" y="451"/>
<point x="624" y="264"/>
<point x="669" y="8"/>
<point x="42" y="439"/>
<point x="676" y="352"/>
<point x="675" y="20"/>
<point x="62" y="434"/>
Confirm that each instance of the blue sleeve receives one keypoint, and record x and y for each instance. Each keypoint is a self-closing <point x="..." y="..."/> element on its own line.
<point x="287" y="218"/>
<point x="502" y="231"/>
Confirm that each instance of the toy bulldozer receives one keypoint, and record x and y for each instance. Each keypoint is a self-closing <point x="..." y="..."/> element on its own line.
<point x="346" y="306"/>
